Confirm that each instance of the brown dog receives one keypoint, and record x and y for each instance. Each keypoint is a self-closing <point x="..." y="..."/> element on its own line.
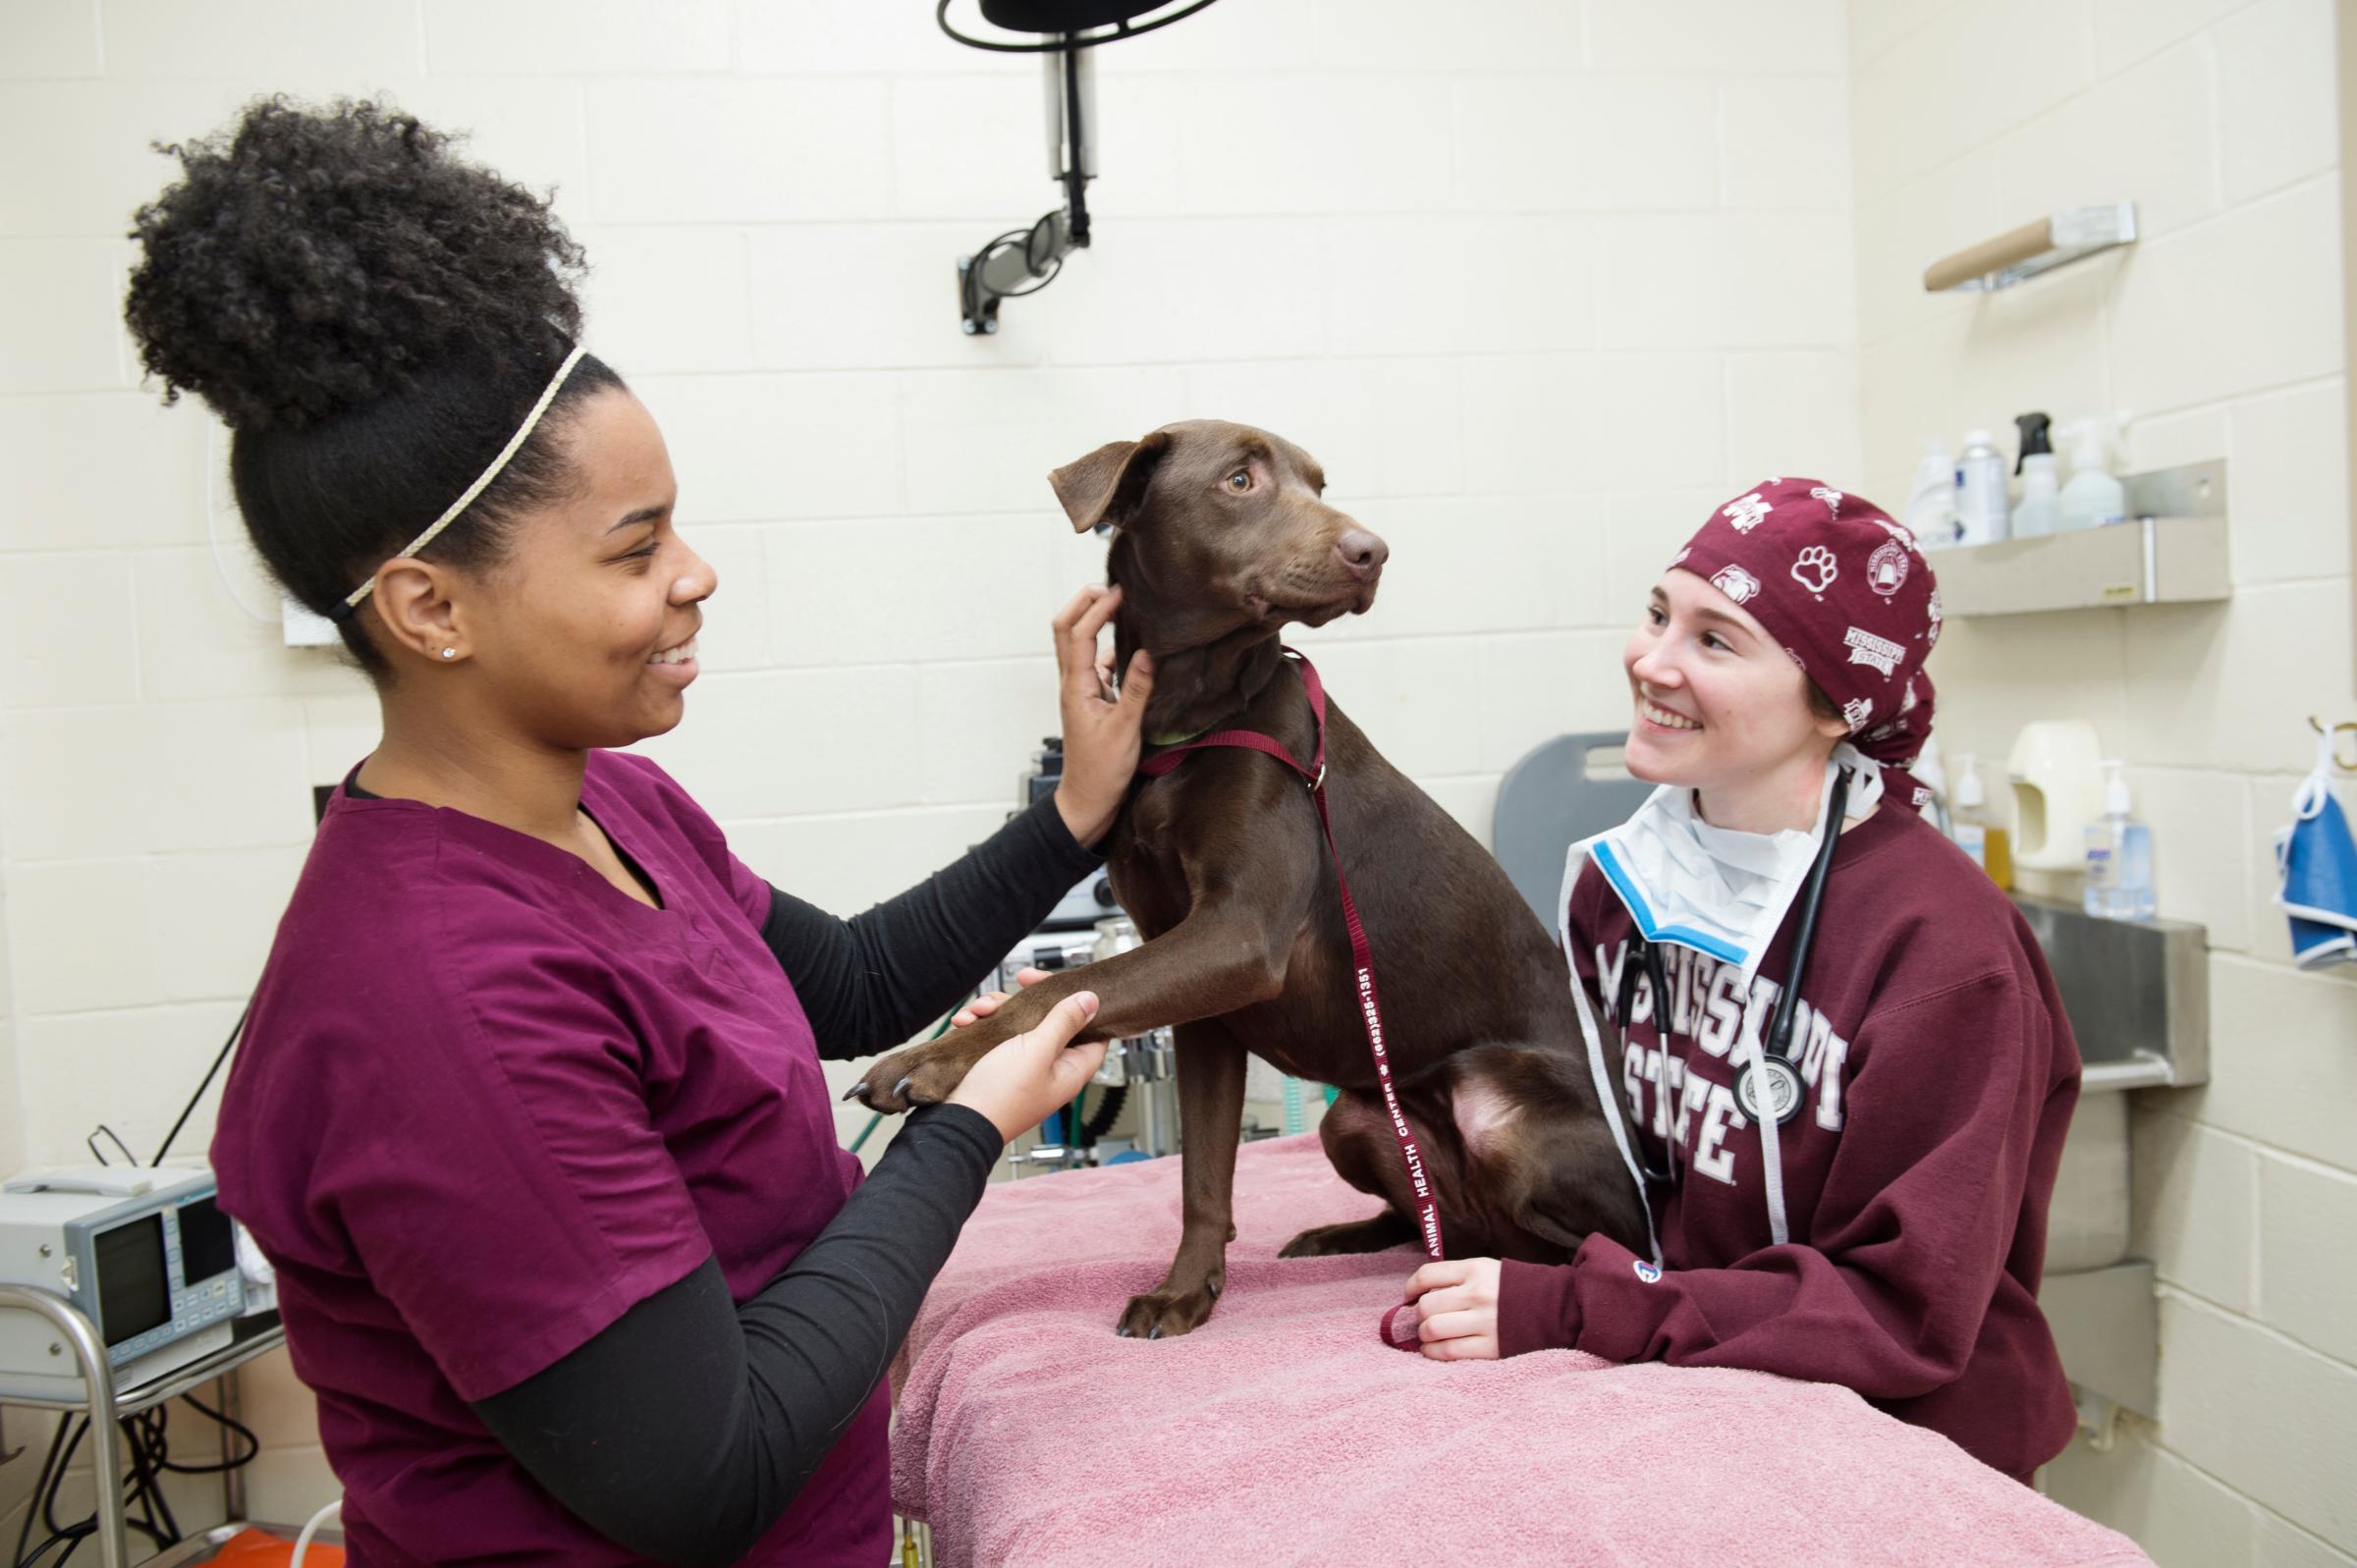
<point x="1222" y="539"/>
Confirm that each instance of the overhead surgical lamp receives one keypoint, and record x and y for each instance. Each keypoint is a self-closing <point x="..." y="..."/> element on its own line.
<point x="1024" y="262"/>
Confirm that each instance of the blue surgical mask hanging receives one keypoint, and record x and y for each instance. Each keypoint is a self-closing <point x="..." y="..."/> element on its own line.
<point x="2316" y="866"/>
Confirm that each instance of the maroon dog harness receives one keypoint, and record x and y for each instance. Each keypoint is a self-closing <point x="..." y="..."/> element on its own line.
<point x="1370" y="1010"/>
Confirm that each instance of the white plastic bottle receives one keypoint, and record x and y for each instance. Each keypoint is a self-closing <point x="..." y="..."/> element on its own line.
<point x="2040" y="506"/>
<point x="2119" y="857"/>
<point x="1980" y="491"/>
<point x="2093" y="497"/>
<point x="1964" y="825"/>
<point x="1972" y="829"/>
<point x="1931" y="515"/>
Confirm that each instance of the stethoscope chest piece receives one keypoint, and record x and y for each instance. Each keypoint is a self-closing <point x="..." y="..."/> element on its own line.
<point x="1783" y="1084"/>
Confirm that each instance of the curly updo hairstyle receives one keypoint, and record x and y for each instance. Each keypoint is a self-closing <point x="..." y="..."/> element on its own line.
<point x="372" y="317"/>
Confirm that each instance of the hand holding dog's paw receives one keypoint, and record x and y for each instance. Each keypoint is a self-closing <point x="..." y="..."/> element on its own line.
<point x="989" y="1001"/>
<point x="1018" y="1082"/>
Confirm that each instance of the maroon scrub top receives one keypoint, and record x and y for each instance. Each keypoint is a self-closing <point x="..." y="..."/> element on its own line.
<point x="485" y="1104"/>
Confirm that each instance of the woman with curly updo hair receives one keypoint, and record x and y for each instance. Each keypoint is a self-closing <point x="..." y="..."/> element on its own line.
<point x="529" y="1115"/>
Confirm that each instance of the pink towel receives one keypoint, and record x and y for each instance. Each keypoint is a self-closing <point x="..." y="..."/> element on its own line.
<point x="1282" y="1432"/>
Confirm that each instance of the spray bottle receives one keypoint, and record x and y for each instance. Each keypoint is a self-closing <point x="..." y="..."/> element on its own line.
<point x="2093" y="497"/>
<point x="2040" y="506"/>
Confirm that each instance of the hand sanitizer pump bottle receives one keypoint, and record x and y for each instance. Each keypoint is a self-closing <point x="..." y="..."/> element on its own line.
<point x="2119" y="857"/>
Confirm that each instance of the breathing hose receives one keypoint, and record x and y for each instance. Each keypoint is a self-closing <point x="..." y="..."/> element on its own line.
<point x="1108" y="1112"/>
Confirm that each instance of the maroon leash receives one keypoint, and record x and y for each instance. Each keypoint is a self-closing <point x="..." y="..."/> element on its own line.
<point x="1370" y="1011"/>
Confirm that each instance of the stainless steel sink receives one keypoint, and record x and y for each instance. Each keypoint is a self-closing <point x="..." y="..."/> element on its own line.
<point x="2137" y="994"/>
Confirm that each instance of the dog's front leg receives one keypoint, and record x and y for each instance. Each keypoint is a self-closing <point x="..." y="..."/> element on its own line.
<point x="1210" y="963"/>
<point x="1211" y="1108"/>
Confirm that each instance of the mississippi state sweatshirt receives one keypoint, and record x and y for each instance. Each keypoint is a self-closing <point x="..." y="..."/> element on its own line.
<point x="1939" y="1076"/>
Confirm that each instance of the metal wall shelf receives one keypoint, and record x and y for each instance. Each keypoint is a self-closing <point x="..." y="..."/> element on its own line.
<point x="2150" y="561"/>
<point x="2173" y="550"/>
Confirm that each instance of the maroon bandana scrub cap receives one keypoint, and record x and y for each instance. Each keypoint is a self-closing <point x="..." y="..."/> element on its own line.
<point x="1847" y="592"/>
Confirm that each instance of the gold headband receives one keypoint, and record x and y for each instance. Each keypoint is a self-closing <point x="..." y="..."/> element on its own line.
<point x="524" y="432"/>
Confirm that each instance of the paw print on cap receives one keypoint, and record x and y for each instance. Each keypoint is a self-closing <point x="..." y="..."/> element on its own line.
<point x="1815" y="568"/>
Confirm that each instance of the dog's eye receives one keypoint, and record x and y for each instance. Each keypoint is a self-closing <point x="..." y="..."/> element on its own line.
<point x="1241" y="480"/>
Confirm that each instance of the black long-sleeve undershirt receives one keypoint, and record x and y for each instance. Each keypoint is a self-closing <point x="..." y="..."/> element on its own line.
<point x="869" y="981"/>
<point x="685" y="1428"/>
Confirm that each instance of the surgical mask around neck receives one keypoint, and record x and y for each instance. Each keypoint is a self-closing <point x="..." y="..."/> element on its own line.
<point x="1718" y="891"/>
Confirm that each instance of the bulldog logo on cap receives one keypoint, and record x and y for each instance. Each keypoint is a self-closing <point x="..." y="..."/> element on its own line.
<point x="1736" y="583"/>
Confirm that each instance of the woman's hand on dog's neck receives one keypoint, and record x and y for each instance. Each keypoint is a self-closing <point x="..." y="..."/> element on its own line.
<point x="1101" y="730"/>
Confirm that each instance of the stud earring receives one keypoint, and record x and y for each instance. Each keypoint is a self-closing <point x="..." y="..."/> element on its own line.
<point x="450" y="653"/>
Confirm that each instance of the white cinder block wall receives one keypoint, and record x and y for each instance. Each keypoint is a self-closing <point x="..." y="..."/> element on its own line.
<point x="2221" y="331"/>
<point x="1500" y="265"/>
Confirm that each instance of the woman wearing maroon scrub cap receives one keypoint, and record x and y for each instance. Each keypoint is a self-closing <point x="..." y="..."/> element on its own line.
<point x="530" y="1113"/>
<point x="1864" y="1200"/>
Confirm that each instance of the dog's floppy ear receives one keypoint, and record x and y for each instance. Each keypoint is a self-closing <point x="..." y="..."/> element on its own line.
<point x="1103" y="487"/>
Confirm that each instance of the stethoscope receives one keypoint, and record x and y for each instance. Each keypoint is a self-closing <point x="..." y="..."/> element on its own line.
<point x="1769" y="1083"/>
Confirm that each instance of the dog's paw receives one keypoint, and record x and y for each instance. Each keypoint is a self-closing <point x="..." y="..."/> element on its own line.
<point x="1386" y="1230"/>
<point x="916" y="1075"/>
<point x="1165" y="1313"/>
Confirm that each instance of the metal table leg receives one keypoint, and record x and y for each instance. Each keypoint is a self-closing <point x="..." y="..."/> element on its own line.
<point x="233" y="1479"/>
<point x="106" y="1433"/>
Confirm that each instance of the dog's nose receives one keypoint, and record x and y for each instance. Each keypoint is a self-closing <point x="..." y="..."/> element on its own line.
<point x="1362" y="553"/>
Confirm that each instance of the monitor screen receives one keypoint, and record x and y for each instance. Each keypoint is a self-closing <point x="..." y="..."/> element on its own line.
<point x="134" y="1294"/>
<point x="206" y="1247"/>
